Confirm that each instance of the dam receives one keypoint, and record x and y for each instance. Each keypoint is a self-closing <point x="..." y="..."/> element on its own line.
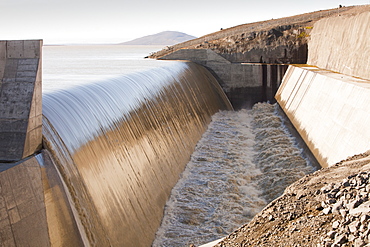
<point x="49" y="187"/>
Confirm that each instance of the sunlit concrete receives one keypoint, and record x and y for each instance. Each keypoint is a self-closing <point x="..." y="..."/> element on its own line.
<point x="330" y="111"/>
<point x="20" y="99"/>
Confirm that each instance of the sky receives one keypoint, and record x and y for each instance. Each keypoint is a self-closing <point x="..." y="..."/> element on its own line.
<point x="115" y="21"/>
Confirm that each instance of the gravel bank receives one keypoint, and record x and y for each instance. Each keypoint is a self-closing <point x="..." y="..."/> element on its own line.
<point x="330" y="207"/>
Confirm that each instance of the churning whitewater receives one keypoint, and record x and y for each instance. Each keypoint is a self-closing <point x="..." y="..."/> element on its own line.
<point x="244" y="160"/>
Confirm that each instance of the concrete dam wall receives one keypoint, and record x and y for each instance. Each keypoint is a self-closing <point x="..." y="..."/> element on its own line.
<point x="329" y="104"/>
<point x="327" y="101"/>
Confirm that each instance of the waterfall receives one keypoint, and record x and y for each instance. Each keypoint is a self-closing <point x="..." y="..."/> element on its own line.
<point x="121" y="144"/>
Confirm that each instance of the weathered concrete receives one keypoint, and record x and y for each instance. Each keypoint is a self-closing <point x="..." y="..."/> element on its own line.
<point x="20" y="99"/>
<point x="341" y="44"/>
<point x="34" y="209"/>
<point x="244" y="83"/>
<point x="22" y="207"/>
<point x="329" y="110"/>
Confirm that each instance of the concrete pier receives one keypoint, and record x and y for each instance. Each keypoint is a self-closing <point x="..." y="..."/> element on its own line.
<point x="20" y="99"/>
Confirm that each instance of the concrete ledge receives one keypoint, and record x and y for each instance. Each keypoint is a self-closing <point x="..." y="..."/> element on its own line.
<point x="329" y="110"/>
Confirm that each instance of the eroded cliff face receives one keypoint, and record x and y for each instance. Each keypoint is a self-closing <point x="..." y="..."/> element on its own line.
<point x="281" y="44"/>
<point x="282" y="40"/>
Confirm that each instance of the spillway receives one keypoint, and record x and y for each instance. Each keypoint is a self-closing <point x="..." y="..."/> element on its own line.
<point x="243" y="161"/>
<point x="120" y="145"/>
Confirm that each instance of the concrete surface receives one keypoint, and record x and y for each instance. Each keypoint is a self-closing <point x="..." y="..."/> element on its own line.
<point x="20" y="99"/>
<point x="244" y="83"/>
<point x="22" y="206"/>
<point x="341" y="44"/>
<point x="63" y="229"/>
<point x="329" y="110"/>
<point x="34" y="209"/>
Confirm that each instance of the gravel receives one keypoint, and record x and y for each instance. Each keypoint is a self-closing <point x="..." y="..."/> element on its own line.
<point x="330" y="207"/>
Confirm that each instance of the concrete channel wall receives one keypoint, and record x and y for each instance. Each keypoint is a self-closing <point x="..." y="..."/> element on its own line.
<point x="20" y="99"/>
<point x="342" y="44"/>
<point x="329" y="110"/>
<point x="329" y="105"/>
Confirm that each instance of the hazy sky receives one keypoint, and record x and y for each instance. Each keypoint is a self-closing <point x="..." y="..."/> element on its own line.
<point x="114" y="21"/>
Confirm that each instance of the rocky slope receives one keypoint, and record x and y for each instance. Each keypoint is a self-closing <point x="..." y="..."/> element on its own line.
<point x="330" y="207"/>
<point x="281" y="40"/>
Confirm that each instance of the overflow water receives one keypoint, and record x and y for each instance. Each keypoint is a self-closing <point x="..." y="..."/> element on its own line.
<point x="243" y="161"/>
<point x="120" y="145"/>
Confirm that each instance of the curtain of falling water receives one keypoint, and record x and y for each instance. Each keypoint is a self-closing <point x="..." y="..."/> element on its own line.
<point x="244" y="160"/>
<point x="121" y="144"/>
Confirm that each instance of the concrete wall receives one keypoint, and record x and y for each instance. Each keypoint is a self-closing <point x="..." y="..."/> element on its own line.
<point x="22" y="207"/>
<point x="34" y="209"/>
<point x="329" y="110"/>
<point x="341" y="44"/>
<point x="20" y="99"/>
<point x="244" y="83"/>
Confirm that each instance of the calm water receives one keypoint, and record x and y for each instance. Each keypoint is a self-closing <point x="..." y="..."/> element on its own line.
<point x="66" y="66"/>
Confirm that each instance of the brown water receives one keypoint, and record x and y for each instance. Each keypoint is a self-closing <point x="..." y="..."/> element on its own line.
<point x="120" y="145"/>
<point x="243" y="161"/>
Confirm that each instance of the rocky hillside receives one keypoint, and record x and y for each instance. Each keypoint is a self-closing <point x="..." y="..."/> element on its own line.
<point x="273" y="41"/>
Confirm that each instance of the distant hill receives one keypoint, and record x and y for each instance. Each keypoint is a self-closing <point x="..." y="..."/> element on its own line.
<point x="162" y="38"/>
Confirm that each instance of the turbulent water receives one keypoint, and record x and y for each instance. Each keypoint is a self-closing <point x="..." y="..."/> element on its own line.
<point x="120" y="145"/>
<point x="244" y="160"/>
<point x="120" y="140"/>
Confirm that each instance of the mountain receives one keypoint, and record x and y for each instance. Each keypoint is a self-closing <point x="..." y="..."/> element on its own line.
<point x="162" y="38"/>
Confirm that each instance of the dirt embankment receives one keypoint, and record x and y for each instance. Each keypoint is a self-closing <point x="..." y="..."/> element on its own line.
<point x="290" y="33"/>
<point x="330" y="207"/>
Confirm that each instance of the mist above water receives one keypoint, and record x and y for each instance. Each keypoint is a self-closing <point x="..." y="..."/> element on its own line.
<point x="244" y="160"/>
